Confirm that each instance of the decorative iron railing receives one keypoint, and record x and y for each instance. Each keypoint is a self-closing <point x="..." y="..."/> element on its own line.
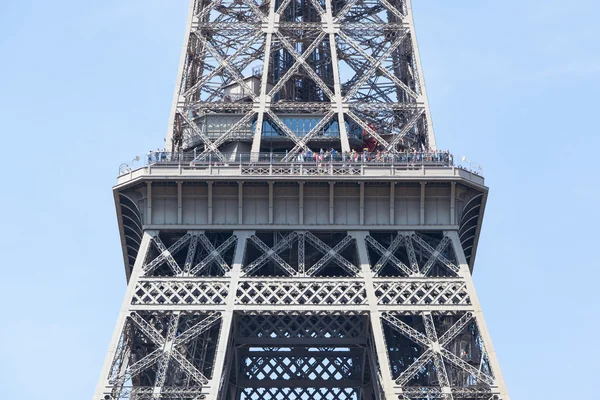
<point x="326" y="162"/>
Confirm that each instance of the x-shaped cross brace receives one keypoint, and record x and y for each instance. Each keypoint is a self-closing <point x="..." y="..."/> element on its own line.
<point x="166" y="255"/>
<point x="221" y="139"/>
<point x="214" y="72"/>
<point x="207" y="142"/>
<point x="213" y="254"/>
<point x="301" y="144"/>
<point x="435" y="254"/>
<point x="300" y="61"/>
<point x="331" y="254"/>
<point x="272" y="254"/>
<point x="434" y="348"/>
<point x="404" y="131"/>
<point x="387" y="255"/>
<point x="375" y="64"/>
<point x="166" y="348"/>
<point x="284" y="128"/>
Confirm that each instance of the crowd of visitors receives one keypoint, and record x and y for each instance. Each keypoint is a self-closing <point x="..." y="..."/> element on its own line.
<point x="409" y="156"/>
<point x="333" y="156"/>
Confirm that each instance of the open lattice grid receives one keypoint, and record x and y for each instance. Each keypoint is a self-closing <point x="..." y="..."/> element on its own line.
<point x="253" y="312"/>
<point x="294" y="334"/>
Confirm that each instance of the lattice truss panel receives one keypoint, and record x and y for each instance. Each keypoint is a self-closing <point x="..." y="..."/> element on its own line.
<point x="323" y="345"/>
<point x="190" y="254"/>
<point x="417" y="292"/>
<point x="295" y="327"/>
<point x="417" y="255"/>
<point x="252" y="65"/>
<point x="301" y="254"/>
<point x="164" y="355"/>
<point x="164" y="292"/>
<point x="301" y="169"/>
<point x="438" y="355"/>
<point x="321" y="292"/>
<point x="308" y="355"/>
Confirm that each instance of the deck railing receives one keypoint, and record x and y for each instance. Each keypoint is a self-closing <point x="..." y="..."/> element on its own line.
<point x="303" y="164"/>
<point x="440" y="158"/>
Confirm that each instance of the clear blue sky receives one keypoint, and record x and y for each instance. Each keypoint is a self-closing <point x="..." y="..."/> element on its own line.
<point x="86" y="85"/>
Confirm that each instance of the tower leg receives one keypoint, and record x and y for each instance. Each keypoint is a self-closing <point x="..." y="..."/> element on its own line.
<point x="384" y="372"/>
<point x="103" y="384"/>
<point x="217" y="385"/>
<point x="465" y="273"/>
<point x="367" y="393"/>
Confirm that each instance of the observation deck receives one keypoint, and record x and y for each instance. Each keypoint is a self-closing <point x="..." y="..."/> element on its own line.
<point x="338" y="167"/>
<point x="412" y="191"/>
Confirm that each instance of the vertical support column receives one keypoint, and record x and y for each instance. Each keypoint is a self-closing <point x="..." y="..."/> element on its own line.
<point x="331" y="201"/>
<point x="301" y="203"/>
<point x="301" y="254"/>
<point x="362" y="204"/>
<point x="161" y="374"/>
<point x="367" y="393"/>
<point x="177" y="97"/>
<point x="225" y="378"/>
<point x="240" y="203"/>
<point x="179" y="202"/>
<point x="227" y="316"/>
<point x="438" y="360"/>
<point x="420" y="76"/>
<point x="149" y="203"/>
<point x="392" y="203"/>
<point x="233" y="392"/>
<point x="264" y="100"/>
<point x="453" y="203"/>
<point x="209" y="209"/>
<point x="422" y="207"/>
<point x="270" y="202"/>
<point x="375" y="316"/>
<point x="331" y="29"/>
<point x="137" y="272"/>
<point x="465" y="273"/>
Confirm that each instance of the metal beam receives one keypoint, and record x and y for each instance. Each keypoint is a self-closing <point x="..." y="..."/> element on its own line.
<point x="465" y="273"/>
<point x="103" y="384"/>
<point x="227" y="315"/>
<point x="375" y="316"/>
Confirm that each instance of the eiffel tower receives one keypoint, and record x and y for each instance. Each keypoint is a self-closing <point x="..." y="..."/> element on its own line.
<point x="301" y="237"/>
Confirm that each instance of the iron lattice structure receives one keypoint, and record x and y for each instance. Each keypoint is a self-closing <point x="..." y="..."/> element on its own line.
<point x="260" y="277"/>
<point x="299" y="74"/>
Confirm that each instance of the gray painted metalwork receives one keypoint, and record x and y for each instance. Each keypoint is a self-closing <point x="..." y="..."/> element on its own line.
<point x="251" y="277"/>
<point x="297" y="75"/>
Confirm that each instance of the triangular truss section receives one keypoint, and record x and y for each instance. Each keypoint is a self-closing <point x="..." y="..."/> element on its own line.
<point x="225" y="62"/>
<point x="451" y="359"/>
<point x="411" y="255"/>
<point x="246" y="57"/>
<point x="218" y="74"/>
<point x="302" y="68"/>
<point x="191" y="254"/>
<point x="330" y="260"/>
<point x="298" y="254"/>
<point x="158" y="352"/>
